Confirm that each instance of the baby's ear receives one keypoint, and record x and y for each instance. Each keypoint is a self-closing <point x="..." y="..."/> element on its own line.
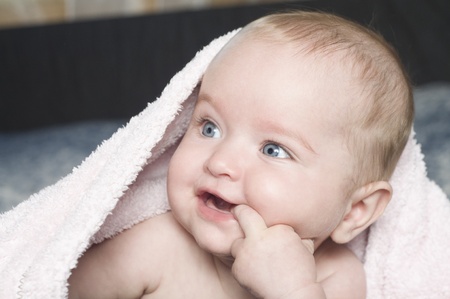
<point x="366" y="204"/>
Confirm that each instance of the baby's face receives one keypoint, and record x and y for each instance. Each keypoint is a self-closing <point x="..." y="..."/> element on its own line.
<point x="262" y="134"/>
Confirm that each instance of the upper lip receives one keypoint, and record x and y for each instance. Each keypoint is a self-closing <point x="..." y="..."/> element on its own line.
<point x="206" y="191"/>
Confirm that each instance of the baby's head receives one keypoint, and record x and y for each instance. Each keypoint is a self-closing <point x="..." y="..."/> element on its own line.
<point x="301" y="116"/>
<point x="378" y="116"/>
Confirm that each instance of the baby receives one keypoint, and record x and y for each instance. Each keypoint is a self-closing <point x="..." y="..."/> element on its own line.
<point x="299" y="123"/>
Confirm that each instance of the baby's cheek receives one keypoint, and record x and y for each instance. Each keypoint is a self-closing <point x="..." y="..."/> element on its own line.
<point x="181" y="162"/>
<point x="270" y="197"/>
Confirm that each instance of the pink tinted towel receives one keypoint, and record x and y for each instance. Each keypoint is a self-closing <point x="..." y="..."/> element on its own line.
<point x="406" y="253"/>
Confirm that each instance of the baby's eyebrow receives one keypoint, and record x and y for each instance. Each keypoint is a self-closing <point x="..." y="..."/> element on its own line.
<point x="204" y="97"/>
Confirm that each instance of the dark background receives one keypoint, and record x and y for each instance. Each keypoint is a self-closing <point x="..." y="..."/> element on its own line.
<point x="111" y="68"/>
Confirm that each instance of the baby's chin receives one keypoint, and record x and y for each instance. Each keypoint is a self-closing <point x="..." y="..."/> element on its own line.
<point x="218" y="248"/>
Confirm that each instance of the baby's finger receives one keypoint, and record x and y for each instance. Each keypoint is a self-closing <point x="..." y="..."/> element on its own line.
<point x="236" y="247"/>
<point x="250" y="221"/>
<point x="309" y="244"/>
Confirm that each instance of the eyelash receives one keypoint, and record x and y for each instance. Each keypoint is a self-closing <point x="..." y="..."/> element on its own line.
<point x="200" y="120"/>
<point x="272" y="141"/>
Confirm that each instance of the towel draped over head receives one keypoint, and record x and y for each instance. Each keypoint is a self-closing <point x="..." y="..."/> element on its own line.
<point x="406" y="253"/>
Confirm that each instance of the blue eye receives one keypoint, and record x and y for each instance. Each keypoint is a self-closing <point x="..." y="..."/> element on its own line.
<point x="274" y="150"/>
<point x="210" y="130"/>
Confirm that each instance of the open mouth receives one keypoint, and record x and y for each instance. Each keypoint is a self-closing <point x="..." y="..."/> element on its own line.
<point x="217" y="203"/>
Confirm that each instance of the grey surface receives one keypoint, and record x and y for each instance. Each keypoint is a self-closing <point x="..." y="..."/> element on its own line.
<point x="32" y="160"/>
<point x="432" y="126"/>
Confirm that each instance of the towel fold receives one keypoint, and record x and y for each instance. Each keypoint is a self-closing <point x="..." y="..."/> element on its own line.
<point x="123" y="182"/>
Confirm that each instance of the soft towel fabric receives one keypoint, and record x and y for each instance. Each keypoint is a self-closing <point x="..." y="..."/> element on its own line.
<point x="123" y="182"/>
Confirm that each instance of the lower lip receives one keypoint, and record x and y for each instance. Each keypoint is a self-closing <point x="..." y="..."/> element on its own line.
<point x="210" y="214"/>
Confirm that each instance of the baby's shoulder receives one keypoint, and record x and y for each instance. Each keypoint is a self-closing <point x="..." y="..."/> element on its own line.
<point x="161" y="231"/>
<point x="331" y="253"/>
<point x="152" y="247"/>
<point x="145" y="245"/>
<point x="338" y="268"/>
<point x="132" y="262"/>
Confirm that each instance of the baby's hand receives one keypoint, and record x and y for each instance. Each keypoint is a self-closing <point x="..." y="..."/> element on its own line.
<point x="273" y="262"/>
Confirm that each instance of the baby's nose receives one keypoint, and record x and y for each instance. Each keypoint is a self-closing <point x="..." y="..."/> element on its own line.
<point x="226" y="161"/>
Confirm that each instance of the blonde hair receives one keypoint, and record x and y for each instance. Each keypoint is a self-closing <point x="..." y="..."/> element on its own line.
<point x="378" y="129"/>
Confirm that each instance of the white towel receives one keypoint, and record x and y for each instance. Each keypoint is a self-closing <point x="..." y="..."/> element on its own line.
<point x="406" y="253"/>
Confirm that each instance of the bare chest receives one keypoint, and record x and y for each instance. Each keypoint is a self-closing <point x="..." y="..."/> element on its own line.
<point x="186" y="271"/>
<point x="197" y="276"/>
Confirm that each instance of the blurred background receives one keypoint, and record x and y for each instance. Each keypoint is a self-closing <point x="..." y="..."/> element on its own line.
<point x="28" y="12"/>
<point x="73" y="71"/>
